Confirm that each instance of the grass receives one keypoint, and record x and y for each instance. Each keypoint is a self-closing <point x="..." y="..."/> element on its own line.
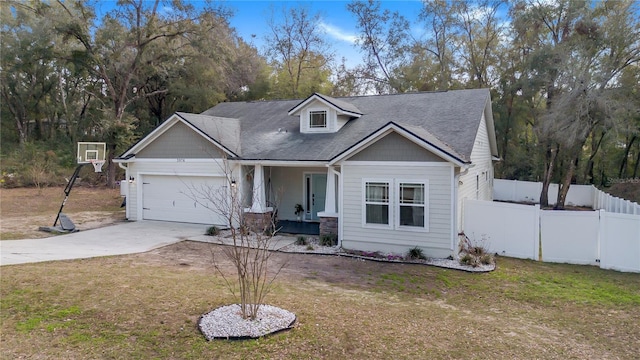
<point x="147" y="306"/>
<point x="23" y="210"/>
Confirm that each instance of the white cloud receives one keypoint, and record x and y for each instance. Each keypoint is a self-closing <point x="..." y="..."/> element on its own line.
<point x="337" y="33"/>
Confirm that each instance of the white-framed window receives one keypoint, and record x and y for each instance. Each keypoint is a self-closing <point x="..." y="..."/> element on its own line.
<point x="396" y="204"/>
<point x="377" y="203"/>
<point x="412" y="205"/>
<point x="317" y="119"/>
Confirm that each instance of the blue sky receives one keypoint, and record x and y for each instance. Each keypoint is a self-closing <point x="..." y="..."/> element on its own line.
<point x="336" y="22"/>
<point x="250" y="18"/>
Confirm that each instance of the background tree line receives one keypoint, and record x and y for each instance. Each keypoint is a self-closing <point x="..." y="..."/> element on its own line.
<point x="564" y="75"/>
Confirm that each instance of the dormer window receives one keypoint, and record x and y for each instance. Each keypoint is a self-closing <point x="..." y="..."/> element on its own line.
<point x="321" y="114"/>
<point x="317" y="119"/>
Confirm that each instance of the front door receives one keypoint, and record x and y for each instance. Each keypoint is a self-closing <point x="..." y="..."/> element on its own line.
<point x="315" y="188"/>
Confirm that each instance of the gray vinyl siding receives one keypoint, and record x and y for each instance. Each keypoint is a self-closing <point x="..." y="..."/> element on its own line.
<point x="287" y="188"/>
<point x="184" y="168"/>
<point x="481" y="174"/>
<point x="180" y="141"/>
<point x="395" y="147"/>
<point x="436" y="242"/>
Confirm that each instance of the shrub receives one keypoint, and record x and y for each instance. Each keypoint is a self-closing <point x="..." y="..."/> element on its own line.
<point x="328" y="240"/>
<point x="416" y="254"/>
<point x="301" y="240"/>
<point x="474" y="254"/>
<point x="310" y="247"/>
<point x="470" y="260"/>
<point x="213" y="231"/>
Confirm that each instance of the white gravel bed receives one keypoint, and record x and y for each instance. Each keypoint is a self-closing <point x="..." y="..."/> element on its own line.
<point x="455" y="264"/>
<point x="226" y="322"/>
<point x="312" y="247"/>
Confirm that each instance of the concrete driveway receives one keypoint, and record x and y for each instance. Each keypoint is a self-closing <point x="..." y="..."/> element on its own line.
<point x="119" y="239"/>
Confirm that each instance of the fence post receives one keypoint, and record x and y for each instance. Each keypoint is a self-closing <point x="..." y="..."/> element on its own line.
<point x="538" y="236"/>
<point x="602" y="223"/>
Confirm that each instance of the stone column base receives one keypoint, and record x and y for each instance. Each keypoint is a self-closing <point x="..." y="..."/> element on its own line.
<point x="329" y="226"/>
<point x="258" y="222"/>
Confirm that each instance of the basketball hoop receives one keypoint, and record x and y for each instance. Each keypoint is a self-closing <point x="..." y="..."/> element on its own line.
<point x="97" y="165"/>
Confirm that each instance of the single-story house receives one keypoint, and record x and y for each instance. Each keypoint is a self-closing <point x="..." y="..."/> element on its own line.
<point x="383" y="173"/>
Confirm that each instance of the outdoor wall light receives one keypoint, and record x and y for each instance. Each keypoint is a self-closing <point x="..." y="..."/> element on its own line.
<point x="233" y="183"/>
<point x="131" y="179"/>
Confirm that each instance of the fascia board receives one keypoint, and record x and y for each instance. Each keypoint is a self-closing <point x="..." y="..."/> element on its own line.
<point x="296" y="110"/>
<point x="142" y="143"/>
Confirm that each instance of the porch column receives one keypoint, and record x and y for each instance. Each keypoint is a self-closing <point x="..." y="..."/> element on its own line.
<point x="330" y="194"/>
<point x="329" y="217"/>
<point x="258" y="205"/>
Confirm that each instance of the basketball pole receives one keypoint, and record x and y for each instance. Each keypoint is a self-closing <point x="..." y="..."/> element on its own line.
<point x="67" y="190"/>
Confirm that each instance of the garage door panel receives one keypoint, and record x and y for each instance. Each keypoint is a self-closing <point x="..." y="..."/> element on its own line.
<point x="170" y="198"/>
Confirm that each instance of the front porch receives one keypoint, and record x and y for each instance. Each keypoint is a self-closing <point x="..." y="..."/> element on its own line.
<point x="284" y="188"/>
<point x="298" y="228"/>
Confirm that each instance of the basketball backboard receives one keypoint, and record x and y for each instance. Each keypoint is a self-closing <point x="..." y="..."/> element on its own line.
<point x="88" y="151"/>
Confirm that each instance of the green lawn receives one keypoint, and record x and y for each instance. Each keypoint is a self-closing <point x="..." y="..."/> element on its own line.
<point x="147" y="306"/>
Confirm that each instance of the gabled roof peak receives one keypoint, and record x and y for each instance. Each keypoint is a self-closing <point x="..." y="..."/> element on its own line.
<point x="340" y="105"/>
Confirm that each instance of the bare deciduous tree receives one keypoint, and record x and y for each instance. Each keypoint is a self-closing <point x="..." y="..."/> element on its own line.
<point x="252" y="241"/>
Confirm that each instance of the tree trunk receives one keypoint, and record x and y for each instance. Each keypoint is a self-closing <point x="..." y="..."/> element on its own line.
<point x="566" y="183"/>
<point x="505" y="138"/>
<point x="550" y="159"/>
<point x="595" y="146"/>
<point x="111" y="166"/>
<point x="635" y="167"/>
<point x="623" y="164"/>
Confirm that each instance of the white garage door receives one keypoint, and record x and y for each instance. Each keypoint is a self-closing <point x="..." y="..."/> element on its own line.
<point x="171" y="198"/>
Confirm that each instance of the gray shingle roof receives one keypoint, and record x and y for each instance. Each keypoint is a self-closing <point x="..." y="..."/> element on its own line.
<point x="448" y="120"/>
<point x="225" y="131"/>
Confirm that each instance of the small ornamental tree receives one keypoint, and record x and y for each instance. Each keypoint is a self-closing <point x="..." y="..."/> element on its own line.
<point x="249" y="253"/>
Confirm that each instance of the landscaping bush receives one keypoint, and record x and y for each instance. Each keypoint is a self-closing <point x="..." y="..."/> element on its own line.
<point x="474" y="253"/>
<point x="415" y="254"/>
<point x="301" y="240"/>
<point x="328" y="240"/>
<point x="212" y="231"/>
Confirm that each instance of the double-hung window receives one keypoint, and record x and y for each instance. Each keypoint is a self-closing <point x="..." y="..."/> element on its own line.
<point x="317" y="119"/>
<point x="411" y="204"/>
<point x="396" y="204"/>
<point x="377" y="203"/>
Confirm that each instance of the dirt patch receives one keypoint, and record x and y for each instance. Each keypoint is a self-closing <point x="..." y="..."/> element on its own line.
<point x="23" y="210"/>
<point x="337" y="270"/>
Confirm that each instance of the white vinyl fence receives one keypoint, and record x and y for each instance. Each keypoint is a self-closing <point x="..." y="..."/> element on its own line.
<point x="602" y="238"/>
<point x="578" y="195"/>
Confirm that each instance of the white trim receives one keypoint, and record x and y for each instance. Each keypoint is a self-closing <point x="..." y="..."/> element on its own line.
<point x="374" y="137"/>
<point x="363" y="203"/>
<point x="169" y="160"/>
<point x="397" y="205"/>
<point x="291" y="163"/>
<point x="394" y="204"/>
<point x="313" y="111"/>
<point x="454" y="207"/>
<point x="396" y="163"/>
<point x="140" y="180"/>
<point x="319" y="98"/>
<point x="340" y="206"/>
<point x="327" y="214"/>
<point x="164" y="127"/>
<point x="304" y="193"/>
